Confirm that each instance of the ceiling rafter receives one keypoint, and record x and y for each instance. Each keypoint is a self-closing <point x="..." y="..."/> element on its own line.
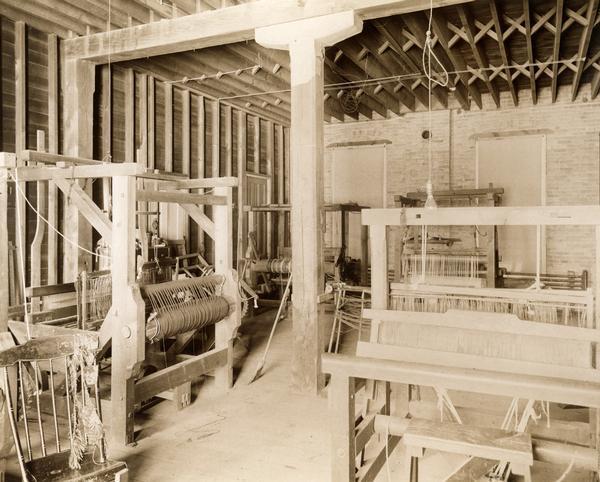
<point x="457" y="60"/>
<point x="503" y="50"/>
<point x="584" y="44"/>
<point x="556" y="49"/>
<point x="479" y="54"/>
<point x="530" y="53"/>
<point x="391" y="61"/>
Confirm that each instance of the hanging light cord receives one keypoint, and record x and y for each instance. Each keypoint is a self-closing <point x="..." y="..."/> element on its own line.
<point x="427" y="68"/>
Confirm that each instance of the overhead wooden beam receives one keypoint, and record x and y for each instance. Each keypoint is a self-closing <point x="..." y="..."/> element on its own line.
<point x="480" y="57"/>
<point x="224" y="26"/>
<point x="440" y="27"/>
<point x="210" y="93"/>
<point x="530" y="54"/>
<point x="503" y="51"/>
<point x="584" y="43"/>
<point x="180" y="198"/>
<point x="558" y="24"/>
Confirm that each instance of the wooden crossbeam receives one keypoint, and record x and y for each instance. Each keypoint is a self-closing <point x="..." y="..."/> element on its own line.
<point x="201" y="219"/>
<point x="485" y="216"/>
<point x="556" y="49"/>
<point x="503" y="51"/>
<point x="78" y="172"/>
<point x="440" y="27"/>
<point x="86" y="206"/>
<point x="179" y="373"/>
<point x="479" y="54"/>
<point x="180" y="198"/>
<point x="584" y="43"/>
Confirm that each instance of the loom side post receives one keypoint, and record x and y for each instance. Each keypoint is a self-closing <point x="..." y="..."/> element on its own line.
<point x="127" y="312"/>
<point x="225" y="330"/>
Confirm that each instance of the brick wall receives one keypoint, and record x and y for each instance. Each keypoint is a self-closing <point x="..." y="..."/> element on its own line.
<point x="572" y="156"/>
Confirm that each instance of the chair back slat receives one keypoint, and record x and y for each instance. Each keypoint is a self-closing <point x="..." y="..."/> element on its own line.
<point x="39" y="365"/>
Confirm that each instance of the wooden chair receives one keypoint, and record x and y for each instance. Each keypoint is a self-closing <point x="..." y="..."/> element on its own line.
<point x="57" y="376"/>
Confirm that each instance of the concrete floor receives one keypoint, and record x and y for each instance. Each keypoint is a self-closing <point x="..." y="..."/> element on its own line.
<point x="258" y="432"/>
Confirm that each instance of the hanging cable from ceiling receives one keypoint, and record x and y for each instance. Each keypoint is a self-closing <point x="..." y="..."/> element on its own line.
<point x="444" y="79"/>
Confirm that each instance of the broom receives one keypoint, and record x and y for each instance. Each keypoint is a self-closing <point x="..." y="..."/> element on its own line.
<point x="284" y="298"/>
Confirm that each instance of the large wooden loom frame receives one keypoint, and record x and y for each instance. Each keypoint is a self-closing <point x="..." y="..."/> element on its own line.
<point x="347" y="437"/>
<point x="124" y="326"/>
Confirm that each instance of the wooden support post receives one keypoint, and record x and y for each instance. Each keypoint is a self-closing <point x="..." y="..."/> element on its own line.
<point x="379" y="274"/>
<point x="216" y="142"/>
<point x="130" y="116"/>
<point x="6" y="161"/>
<point x="53" y="96"/>
<point x="269" y="161"/>
<point x="127" y="318"/>
<point x="201" y="161"/>
<point x="241" y="193"/>
<point x="186" y="152"/>
<point x="256" y="121"/>
<point x="306" y="40"/>
<point x="36" y="244"/>
<point x="228" y="141"/>
<point x="106" y="106"/>
<point x="280" y="189"/>
<point x="151" y="138"/>
<point x="143" y="150"/>
<point x="78" y="141"/>
<point x="226" y="329"/>
<point x="342" y="413"/>
<point x="168" y="127"/>
<point x="21" y="128"/>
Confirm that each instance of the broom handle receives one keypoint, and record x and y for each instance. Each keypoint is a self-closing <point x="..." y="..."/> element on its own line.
<point x="286" y="293"/>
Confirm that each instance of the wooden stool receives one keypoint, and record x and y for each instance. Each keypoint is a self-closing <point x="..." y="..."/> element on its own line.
<point x="486" y="443"/>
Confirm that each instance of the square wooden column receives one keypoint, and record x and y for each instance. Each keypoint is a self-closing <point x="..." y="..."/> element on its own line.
<point x="78" y="95"/>
<point x="306" y="39"/>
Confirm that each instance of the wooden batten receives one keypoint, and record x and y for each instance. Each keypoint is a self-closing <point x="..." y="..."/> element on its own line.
<point x="36" y="244"/>
<point x="168" y="127"/>
<point x="53" y="133"/>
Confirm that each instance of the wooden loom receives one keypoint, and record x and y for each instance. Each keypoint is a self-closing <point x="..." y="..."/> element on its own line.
<point x="475" y="266"/>
<point x="333" y="256"/>
<point x="179" y="308"/>
<point x="495" y="354"/>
